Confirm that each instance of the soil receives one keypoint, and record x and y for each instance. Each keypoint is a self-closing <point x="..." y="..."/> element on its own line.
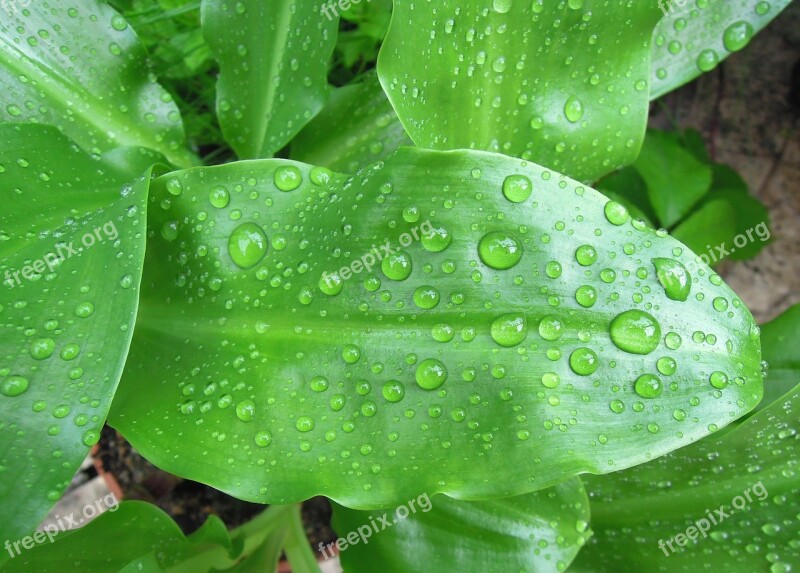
<point x="188" y="502"/>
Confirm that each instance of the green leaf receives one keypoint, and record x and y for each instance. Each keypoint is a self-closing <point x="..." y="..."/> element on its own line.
<point x="708" y="230"/>
<point x="357" y="127"/>
<point x="751" y="215"/>
<point x="540" y="531"/>
<point x="134" y="533"/>
<point x="693" y="37"/>
<point x="781" y="339"/>
<point x="273" y="59"/>
<point x="245" y="375"/>
<point x="749" y="473"/>
<point x="564" y="85"/>
<point x="78" y="66"/>
<point x="72" y="241"/>
<point x="671" y="196"/>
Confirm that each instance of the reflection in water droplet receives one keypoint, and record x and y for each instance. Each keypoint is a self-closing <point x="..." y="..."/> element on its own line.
<point x="247" y="245"/>
<point x="635" y="331"/>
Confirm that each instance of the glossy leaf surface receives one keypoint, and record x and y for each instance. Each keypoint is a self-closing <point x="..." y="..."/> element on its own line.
<point x="72" y="241"/>
<point x="563" y="84"/>
<point x="696" y="35"/>
<point x="77" y="65"/>
<point x="273" y="59"/>
<point x="540" y="531"/>
<point x="358" y="127"/>
<point x="526" y="334"/>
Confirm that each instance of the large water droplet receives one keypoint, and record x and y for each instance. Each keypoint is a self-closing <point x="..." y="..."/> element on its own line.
<point x="573" y="109"/>
<point x="551" y="328"/>
<point x="397" y="266"/>
<point x="219" y="197"/>
<point x="635" y="331"/>
<point x="583" y="361"/>
<point x="247" y="245"/>
<point x="42" y="348"/>
<point x="288" y="178"/>
<point x="509" y="330"/>
<point x="13" y="386"/>
<point x="648" y="386"/>
<point x="737" y="35"/>
<point x="517" y="188"/>
<point x="499" y="250"/>
<point x="246" y="410"/>
<point x="431" y="374"/>
<point x="394" y="391"/>
<point x="674" y="277"/>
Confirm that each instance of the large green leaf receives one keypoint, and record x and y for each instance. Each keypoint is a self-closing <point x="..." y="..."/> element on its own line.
<point x="564" y="84"/>
<point x="72" y="241"/>
<point x="357" y="128"/>
<point x="273" y="60"/>
<point x="540" y="531"/>
<point x="262" y="368"/>
<point x="695" y="35"/>
<point x="76" y="64"/>
<point x="749" y="474"/>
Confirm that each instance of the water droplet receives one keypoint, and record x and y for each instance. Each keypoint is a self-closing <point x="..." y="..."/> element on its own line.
<point x="397" y="266"/>
<point x="635" y="331"/>
<point x="288" y="178"/>
<point x="174" y="186"/>
<point x="737" y="36"/>
<point x="517" y="188"/>
<point x="674" y="278"/>
<point x="247" y="245"/>
<point x="219" y="197"/>
<point x="13" y="386"/>
<point x="499" y="250"/>
<point x="443" y="332"/>
<point x="648" y="386"/>
<point x="118" y="22"/>
<point x="720" y="304"/>
<point x="84" y="310"/>
<point x="718" y="380"/>
<point x="431" y="374"/>
<point x="304" y="424"/>
<point x="551" y="328"/>
<point x="550" y="380"/>
<point x="42" y="348"/>
<point x="586" y="255"/>
<point x="319" y="384"/>
<point x="90" y="437"/>
<point x="586" y="296"/>
<point x="762" y="8"/>
<point x="666" y="365"/>
<point x="263" y="439"/>
<point x="617" y="406"/>
<point x="437" y="240"/>
<point x="615" y="213"/>
<point x="394" y="391"/>
<point x="331" y="284"/>
<point x="583" y="362"/>
<point x="426" y="297"/>
<point x="707" y="60"/>
<point x="502" y="6"/>
<point x="351" y="353"/>
<point x="573" y="109"/>
<point x="246" y="410"/>
<point x="509" y="330"/>
<point x="553" y="269"/>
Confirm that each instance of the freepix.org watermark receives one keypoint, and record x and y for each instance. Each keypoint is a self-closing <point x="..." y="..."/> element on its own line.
<point x="48" y="532"/>
<point x="702" y="526"/>
<point x="376" y="255"/>
<point x="718" y="252"/>
<point x="62" y="251"/>
<point x="330" y="7"/>
<point x="376" y="525"/>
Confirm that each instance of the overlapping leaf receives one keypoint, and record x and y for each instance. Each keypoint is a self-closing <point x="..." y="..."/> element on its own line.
<point x="78" y="66"/>
<point x="540" y="531"/>
<point x="357" y="128"/>
<point x="563" y="84"/>
<point x="72" y="241"/>
<point x="695" y="36"/>
<point x="273" y="60"/>
<point x="727" y="503"/>
<point x="276" y="358"/>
